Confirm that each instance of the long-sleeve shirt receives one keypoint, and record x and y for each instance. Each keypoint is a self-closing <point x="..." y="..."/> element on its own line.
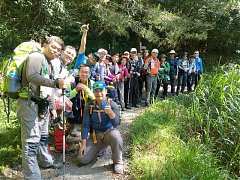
<point x="99" y="121"/>
<point x="192" y="67"/>
<point x="36" y="72"/>
<point x="199" y="65"/>
<point x="81" y="59"/>
<point x="100" y="70"/>
<point x="163" y="72"/>
<point x="135" y="67"/>
<point x="123" y="72"/>
<point x="184" y="65"/>
<point x="87" y="93"/>
<point x="173" y="66"/>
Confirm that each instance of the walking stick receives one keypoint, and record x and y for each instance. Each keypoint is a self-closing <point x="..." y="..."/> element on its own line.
<point x="64" y="139"/>
<point x="129" y="88"/>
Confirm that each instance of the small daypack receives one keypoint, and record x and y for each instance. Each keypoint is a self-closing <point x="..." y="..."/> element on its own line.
<point x="13" y="71"/>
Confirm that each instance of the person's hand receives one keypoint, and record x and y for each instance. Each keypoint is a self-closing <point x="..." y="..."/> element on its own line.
<point x="175" y="77"/>
<point x="80" y="87"/>
<point x="61" y="83"/>
<point x="85" y="27"/>
<point x="107" y="109"/>
<point x="54" y="114"/>
<point x="82" y="149"/>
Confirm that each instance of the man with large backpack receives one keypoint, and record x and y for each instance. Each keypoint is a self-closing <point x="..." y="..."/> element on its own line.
<point x="32" y="107"/>
<point x="103" y="115"/>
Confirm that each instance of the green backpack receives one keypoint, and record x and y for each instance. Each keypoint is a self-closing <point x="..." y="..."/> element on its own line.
<point x="13" y="70"/>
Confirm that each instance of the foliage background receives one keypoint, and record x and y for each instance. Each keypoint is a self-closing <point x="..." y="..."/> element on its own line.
<point x="211" y="26"/>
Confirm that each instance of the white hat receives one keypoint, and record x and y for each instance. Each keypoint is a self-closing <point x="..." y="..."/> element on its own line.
<point x="133" y="50"/>
<point x="172" y="52"/>
<point x="155" y="51"/>
<point x="101" y="50"/>
<point x="126" y="52"/>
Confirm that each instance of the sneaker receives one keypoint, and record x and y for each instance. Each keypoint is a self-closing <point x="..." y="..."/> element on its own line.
<point x="118" y="168"/>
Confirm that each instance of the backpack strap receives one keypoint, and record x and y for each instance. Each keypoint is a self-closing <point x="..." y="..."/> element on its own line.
<point x="94" y="137"/>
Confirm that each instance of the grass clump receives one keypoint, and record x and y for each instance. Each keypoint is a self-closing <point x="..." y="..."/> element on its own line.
<point x="159" y="153"/>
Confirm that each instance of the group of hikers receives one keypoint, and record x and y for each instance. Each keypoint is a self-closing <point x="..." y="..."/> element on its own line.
<point x="92" y="94"/>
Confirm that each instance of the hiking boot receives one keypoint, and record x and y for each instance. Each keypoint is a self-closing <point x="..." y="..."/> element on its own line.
<point x="118" y="168"/>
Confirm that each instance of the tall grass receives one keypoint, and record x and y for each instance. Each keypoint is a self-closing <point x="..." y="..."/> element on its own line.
<point x="195" y="136"/>
<point x="215" y="115"/>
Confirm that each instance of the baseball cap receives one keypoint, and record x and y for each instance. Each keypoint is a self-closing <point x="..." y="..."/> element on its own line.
<point x="133" y="50"/>
<point x="126" y="52"/>
<point x="99" y="85"/>
<point x="155" y="51"/>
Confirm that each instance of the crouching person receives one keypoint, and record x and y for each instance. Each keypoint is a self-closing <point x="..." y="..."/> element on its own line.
<point x="103" y="116"/>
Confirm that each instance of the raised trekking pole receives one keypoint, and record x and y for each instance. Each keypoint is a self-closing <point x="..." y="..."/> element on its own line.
<point x="64" y="139"/>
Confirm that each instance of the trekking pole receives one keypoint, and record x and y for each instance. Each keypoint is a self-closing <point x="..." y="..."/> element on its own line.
<point x="64" y="139"/>
<point x="129" y="87"/>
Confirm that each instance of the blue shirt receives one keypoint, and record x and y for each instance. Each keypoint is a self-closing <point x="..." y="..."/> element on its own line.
<point x="81" y="59"/>
<point x="199" y="65"/>
<point x="173" y="66"/>
<point x="100" y="70"/>
<point x="101" y="124"/>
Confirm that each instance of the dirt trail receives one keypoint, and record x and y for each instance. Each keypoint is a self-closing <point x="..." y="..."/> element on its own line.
<point x="102" y="168"/>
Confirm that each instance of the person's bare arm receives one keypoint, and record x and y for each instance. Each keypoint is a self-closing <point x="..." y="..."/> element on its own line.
<point x="84" y="29"/>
